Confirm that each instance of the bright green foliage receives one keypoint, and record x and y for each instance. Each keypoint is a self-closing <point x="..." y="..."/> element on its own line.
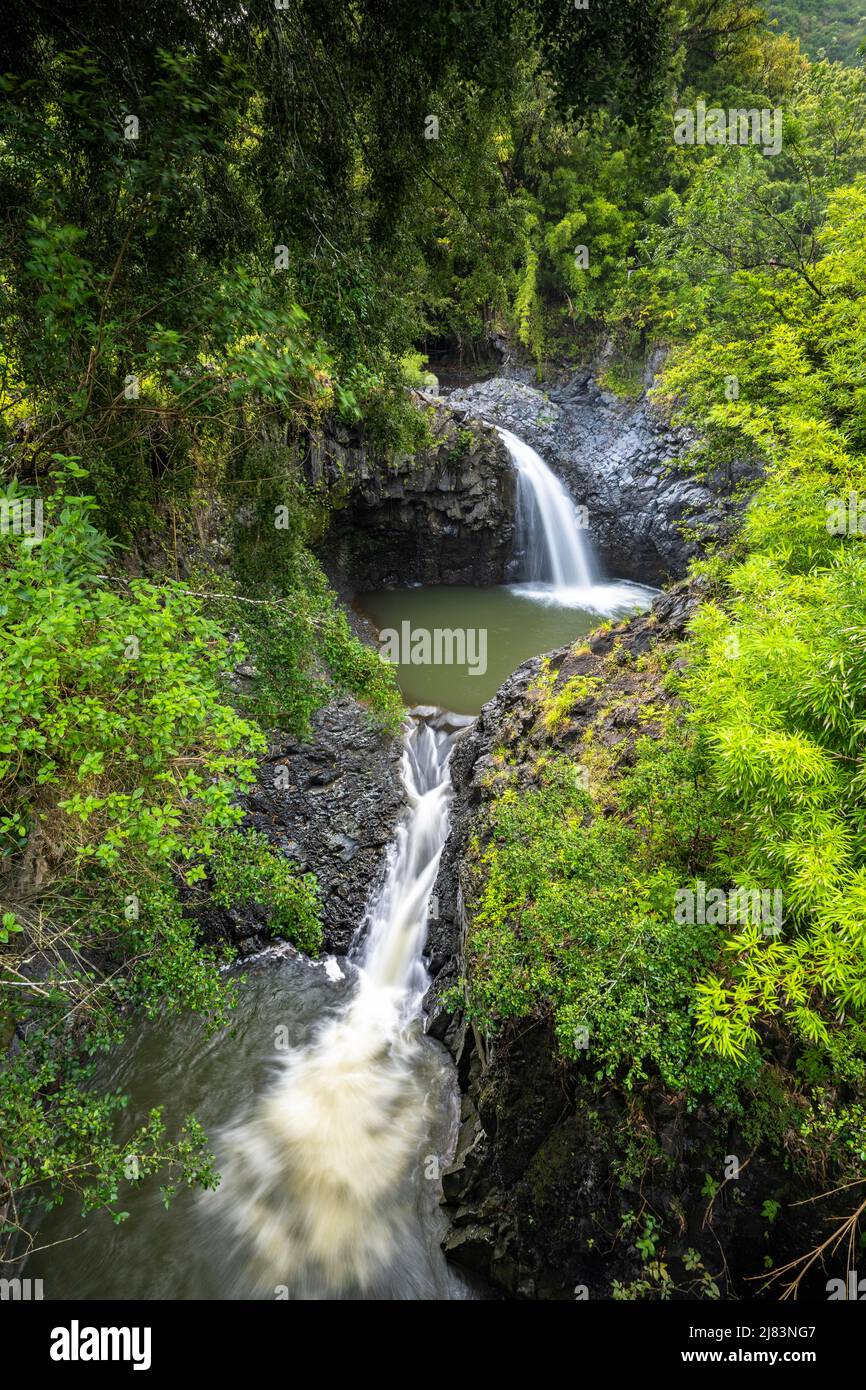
<point x="110" y="702"/>
<point x="576" y="916"/>
<point x="559" y="705"/>
<point x="245" y="870"/>
<point x="121" y="765"/>
<point x="831" y="27"/>
<point x="733" y="225"/>
<point x="71" y="1145"/>
<point x="778" y="674"/>
<point x="578" y="190"/>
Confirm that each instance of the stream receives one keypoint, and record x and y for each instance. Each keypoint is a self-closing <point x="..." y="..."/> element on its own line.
<point x="330" y="1111"/>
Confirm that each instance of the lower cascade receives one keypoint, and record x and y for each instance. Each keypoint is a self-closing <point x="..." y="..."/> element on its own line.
<point x="318" y="1179"/>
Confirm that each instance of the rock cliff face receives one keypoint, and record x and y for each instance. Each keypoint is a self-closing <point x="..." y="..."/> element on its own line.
<point x="443" y="516"/>
<point x="331" y="805"/>
<point x="619" y="459"/>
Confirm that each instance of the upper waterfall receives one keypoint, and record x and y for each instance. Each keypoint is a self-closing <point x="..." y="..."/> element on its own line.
<point x="557" y="555"/>
<point x="548" y="529"/>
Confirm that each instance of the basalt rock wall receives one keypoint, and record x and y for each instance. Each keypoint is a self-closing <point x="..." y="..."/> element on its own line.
<point x="648" y="516"/>
<point x="442" y="516"/>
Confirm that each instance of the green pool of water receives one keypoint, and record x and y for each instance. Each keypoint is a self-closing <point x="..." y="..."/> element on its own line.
<point x="493" y="630"/>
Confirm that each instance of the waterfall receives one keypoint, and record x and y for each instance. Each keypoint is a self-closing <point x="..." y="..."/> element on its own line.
<point x="325" y="1180"/>
<point x="557" y="561"/>
<point x="318" y="1178"/>
<point x="390" y="954"/>
<point x="548" y="531"/>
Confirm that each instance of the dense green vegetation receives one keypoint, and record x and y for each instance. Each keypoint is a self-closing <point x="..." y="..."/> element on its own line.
<point x="831" y="29"/>
<point x="575" y="914"/>
<point x="223" y="233"/>
<point x="749" y="269"/>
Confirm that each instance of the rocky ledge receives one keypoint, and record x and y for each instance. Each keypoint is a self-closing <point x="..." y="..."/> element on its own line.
<point x="442" y="516"/>
<point x="331" y="805"/>
<point x="619" y="458"/>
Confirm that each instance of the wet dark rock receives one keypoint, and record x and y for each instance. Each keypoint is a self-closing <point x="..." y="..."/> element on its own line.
<point x="442" y="516"/>
<point x="619" y="459"/>
<point x="331" y="805"/>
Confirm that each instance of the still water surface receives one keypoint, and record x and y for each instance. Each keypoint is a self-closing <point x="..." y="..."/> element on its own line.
<point x="520" y="621"/>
